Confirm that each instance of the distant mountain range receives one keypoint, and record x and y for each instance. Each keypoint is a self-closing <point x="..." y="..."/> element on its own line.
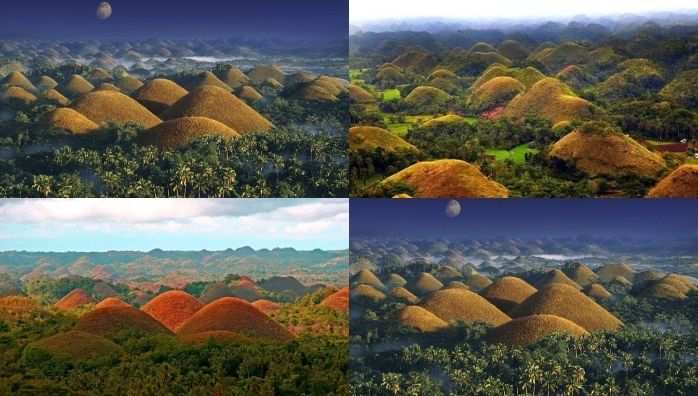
<point x="157" y="263"/>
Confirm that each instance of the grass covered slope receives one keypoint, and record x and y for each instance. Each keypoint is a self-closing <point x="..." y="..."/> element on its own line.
<point x="418" y="318"/>
<point x="78" y="345"/>
<point x="567" y="302"/>
<point x="111" y="320"/>
<point x="599" y="148"/>
<point x="549" y="98"/>
<point x="110" y="106"/>
<point x="74" y="299"/>
<point x="70" y="120"/>
<point x="461" y="304"/>
<point x="529" y="329"/>
<point x="180" y="131"/>
<point x="220" y="105"/>
<point x="172" y="308"/>
<point x="236" y="315"/>
<point x="159" y="94"/>
<point x="370" y="138"/>
<point x="681" y="183"/>
<point x="507" y="292"/>
<point x="447" y="179"/>
<point x="494" y="92"/>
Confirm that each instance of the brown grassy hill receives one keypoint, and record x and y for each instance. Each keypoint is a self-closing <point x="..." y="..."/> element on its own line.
<point x="298" y="78"/>
<point x="495" y="92"/>
<point x="401" y="293"/>
<point x="217" y="336"/>
<point x="172" y="308"/>
<point x="70" y="120"/>
<point x="477" y="281"/>
<point x="272" y="82"/>
<point x="250" y="94"/>
<point x="513" y="49"/>
<point x="447" y="179"/>
<point x="447" y="273"/>
<point x="54" y="96"/>
<point x="208" y="78"/>
<point x="443" y="120"/>
<point x="181" y="131"/>
<point x="598" y="148"/>
<point x="394" y="280"/>
<point x="424" y="283"/>
<point x="216" y="291"/>
<point x="363" y="293"/>
<point x="662" y="291"/>
<point x="45" y="82"/>
<point x="78" y="345"/>
<point x="17" y="79"/>
<point x="556" y="276"/>
<point x="576" y="77"/>
<point x="108" y="87"/>
<point x="646" y="276"/>
<point x="597" y="291"/>
<point x="368" y="278"/>
<point x="456" y="285"/>
<point x="529" y="329"/>
<point x="621" y="281"/>
<point x="19" y="94"/>
<point x="75" y="86"/>
<point x="461" y="304"/>
<point x="490" y="58"/>
<point x="549" y="98"/>
<point x="426" y="95"/>
<point x="608" y="272"/>
<point x="567" y="302"/>
<point x="106" y="106"/>
<point x="338" y="300"/>
<point x="482" y="47"/>
<point x="260" y="74"/>
<point x="681" y="183"/>
<point x="139" y="299"/>
<point x="370" y="138"/>
<point x="111" y="302"/>
<point x="416" y="317"/>
<point x="16" y="307"/>
<point x="683" y="89"/>
<point x="111" y="320"/>
<point x="236" y="315"/>
<point x="443" y="73"/>
<point x="100" y="75"/>
<point x="389" y="74"/>
<point x="359" y="95"/>
<point x="507" y="292"/>
<point x="556" y="57"/>
<point x="581" y="274"/>
<point x="159" y="94"/>
<point x="333" y="85"/>
<point x="680" y="283"/>
<point x="74" y="299"/>
<point x="415" y="62"/>
<point x="102" y="289"/>
<point x="220" y="105"/>
<point x="314" y="93"/>
<point x="129" y="84"/>
<point x="233" y="77"/>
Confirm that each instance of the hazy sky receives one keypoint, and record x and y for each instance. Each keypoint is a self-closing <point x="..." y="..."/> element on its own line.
<point x="369" y="10"/>
<point x="172" y="224"/>
<point x="491" y="218"/>
<point x="318" y="20"/>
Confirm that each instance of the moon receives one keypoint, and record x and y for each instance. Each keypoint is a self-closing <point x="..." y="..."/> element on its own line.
<point x="452" y="208"/>
<point x="103" y="10"/>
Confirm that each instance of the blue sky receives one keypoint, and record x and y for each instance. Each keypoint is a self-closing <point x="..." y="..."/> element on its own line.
<point x="172" y="224"/>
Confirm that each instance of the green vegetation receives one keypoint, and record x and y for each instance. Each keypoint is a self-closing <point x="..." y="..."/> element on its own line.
<point x="517" y="154"/>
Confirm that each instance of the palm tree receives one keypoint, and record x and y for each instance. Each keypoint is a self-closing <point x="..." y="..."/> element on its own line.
<point x="43" y="184"/>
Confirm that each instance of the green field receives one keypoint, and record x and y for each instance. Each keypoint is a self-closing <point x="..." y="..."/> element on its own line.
<point x="517" y="154"/>
<point x="390" y="94"/>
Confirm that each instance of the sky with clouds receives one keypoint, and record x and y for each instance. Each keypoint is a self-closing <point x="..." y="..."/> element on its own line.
<point x="172" y="224"/>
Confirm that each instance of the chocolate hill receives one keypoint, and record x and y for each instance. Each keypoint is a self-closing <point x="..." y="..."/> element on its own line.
<point x="78" y="345"/>
<point x="569" y="303"/>
<point x="507" y="292"/>
<point x="266" y="306"/>
<point x="74" y="299"/>
<point x="159" y="94"/>
<point x="180" y="131"/>
<point x="461" y="304"/>
<point x="447" y="178"/>
<point x="338" y="300"/>
<point x="106" y="106"/>
<point x="598" y="148"/>
<point x="236" y="315"/>
<point x="111" y="302"/>
<point x="220" y="105"/>
<point x="363" y="293"/>
<point x="172" y="308"/>
<point x="370" y="138"/>
<point x="681" y="183"/>
<point x="367" y="277"/>
<point x="111" y="320"/>
<point x="70" y="120"/>
<point x="418" y="318"/>
<point x="529" y="329"/>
